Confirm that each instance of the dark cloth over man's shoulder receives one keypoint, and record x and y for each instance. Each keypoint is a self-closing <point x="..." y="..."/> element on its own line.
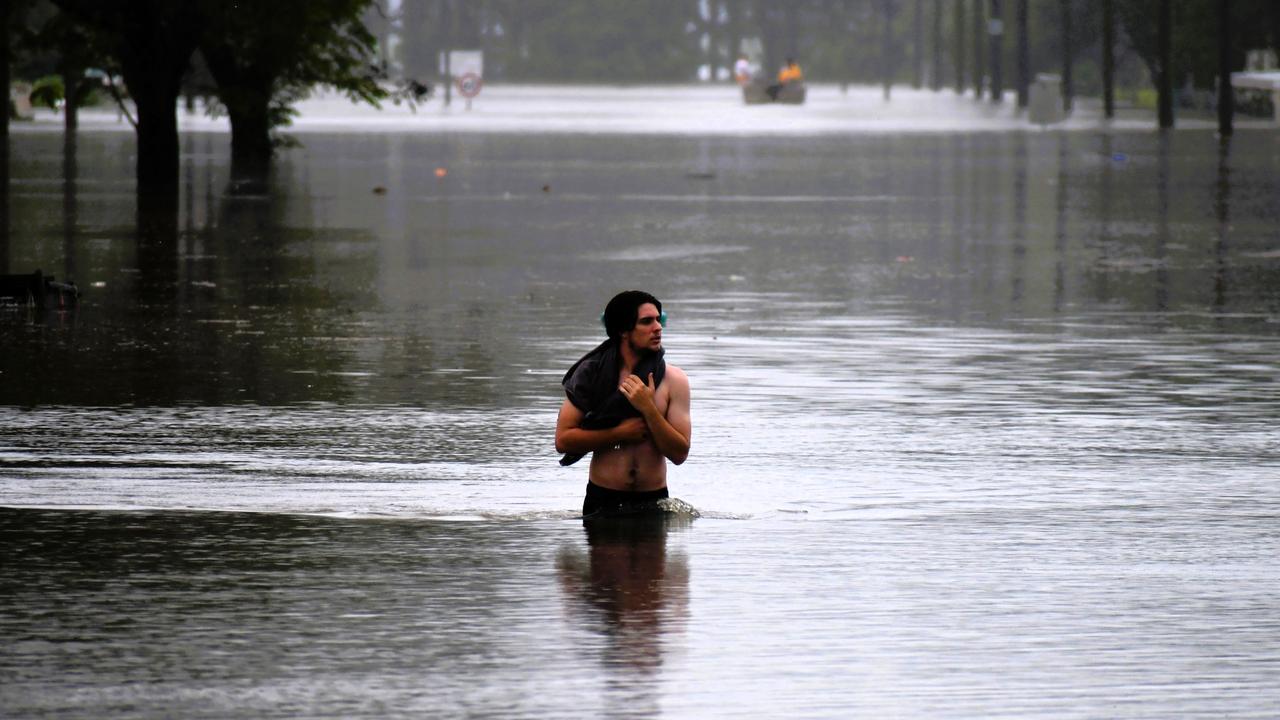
<point x="592" y="386"/>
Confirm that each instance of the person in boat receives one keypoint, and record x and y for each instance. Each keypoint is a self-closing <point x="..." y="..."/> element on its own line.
<point x="627" y="407"/>
<point x="790" y="74"/>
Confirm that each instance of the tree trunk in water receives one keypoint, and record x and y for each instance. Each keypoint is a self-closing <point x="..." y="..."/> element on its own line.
<point x="247" y="97"/>
<point x="251" y="148"/>
<point x="1165" y="80"/>
<point x="1108" y="59"/>
<point x="1226" y="96"/>
<point x="157" y="169"/>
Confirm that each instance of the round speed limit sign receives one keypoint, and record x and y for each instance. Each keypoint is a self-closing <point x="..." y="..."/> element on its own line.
<point x="469" y="85"/>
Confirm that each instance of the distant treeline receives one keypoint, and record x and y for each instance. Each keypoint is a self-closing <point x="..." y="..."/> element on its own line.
<point x="254" y="59"/>
<point x="853" y="41"/>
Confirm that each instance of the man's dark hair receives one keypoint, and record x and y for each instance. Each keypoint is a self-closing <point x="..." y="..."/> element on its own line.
<point x="620" y="313"/>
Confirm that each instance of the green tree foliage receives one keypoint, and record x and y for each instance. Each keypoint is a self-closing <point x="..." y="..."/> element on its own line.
<point x="153" y="41"/>
<point x="1195" y="35"/>
<point x="265" y="56"/>
<point x="613" y="41"/>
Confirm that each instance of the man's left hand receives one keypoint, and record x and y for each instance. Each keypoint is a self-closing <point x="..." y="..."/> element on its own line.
<point x="638" y="393"/>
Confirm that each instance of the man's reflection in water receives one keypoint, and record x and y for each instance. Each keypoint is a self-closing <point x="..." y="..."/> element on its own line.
<point x="627" y="588"/>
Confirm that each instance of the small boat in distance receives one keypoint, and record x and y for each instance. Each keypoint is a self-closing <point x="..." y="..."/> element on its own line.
<point x="756" y="92"/>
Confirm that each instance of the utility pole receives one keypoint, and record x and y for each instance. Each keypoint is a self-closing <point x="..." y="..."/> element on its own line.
<point x="917" y="75"/>
<point x="1164" y="91"/>
<point x="979" y="47"/>
<point x="936" y="80"/>
<point x="959" y="48"/>
<point x="1226" y="96"/>
<point x="887" y="48"/>
<point x="1109" y="58"/>
<point x="996" y="30"/>
<point x="1024" y="58"/>
<point x="1068" y="61"/>
<point x="446" y="22"/>
<point x="6" y="76"/>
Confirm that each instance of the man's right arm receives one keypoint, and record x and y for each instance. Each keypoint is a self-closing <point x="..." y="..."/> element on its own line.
<point x="570" y="438"/>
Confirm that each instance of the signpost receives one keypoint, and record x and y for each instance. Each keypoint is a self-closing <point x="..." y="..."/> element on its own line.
<point x="465" y="69"/>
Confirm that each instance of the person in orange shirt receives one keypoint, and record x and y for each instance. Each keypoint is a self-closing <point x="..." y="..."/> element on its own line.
<point x="789" y="74"/>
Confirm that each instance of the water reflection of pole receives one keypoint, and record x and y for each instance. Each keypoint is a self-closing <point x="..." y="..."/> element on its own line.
<point x="1222" y="211"/>
<point x="1104" y="218"/>
<point x="1019" y="234"/>
<point x="70" y="210"/>
<point x="959" y="221"/>
<point x="157" y="245"/>
<point x="4" y="204"/>
<point x="1060" y="229"/>
<point x="1162" y="224"/>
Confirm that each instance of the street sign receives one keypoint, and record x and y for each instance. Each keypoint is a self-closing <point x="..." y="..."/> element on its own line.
<point x="469" y="85"/>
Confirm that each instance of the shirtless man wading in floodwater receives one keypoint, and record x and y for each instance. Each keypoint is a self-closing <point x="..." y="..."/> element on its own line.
<point x="626" y="407"/>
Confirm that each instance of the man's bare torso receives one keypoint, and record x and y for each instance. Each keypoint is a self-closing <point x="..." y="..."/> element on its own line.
<point x="633" y="467"/>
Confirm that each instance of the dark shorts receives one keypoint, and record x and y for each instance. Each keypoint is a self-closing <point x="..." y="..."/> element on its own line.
<point x="603" y="501"/>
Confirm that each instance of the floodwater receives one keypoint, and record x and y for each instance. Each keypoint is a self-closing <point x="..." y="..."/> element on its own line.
<point x="984" y="426"/>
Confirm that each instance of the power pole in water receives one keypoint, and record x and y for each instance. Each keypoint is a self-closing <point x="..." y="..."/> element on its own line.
<point x="6" y="77"/>
<point x="979" y="47"/>
<point x="1068" y="84"/>
<point x="1024" y="58"/>
<point x="1164" y="92"/>
<point x="887" y="50"/>
<point x="936" y="81"/>
<point x="995" y="28"/>
<point x="917" y="76"/>
<point x="959" y="49"/>
<point x="1226" y="96"/>
<point x="1108" y="59"/>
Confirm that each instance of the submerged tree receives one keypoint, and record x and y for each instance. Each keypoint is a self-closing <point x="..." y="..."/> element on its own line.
<point x="267" y="56"/>
<point x="153" y="41"/>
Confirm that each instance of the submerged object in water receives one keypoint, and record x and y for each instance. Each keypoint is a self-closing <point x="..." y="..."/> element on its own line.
<point x="38" y="290"/>
<point x="756" y="92"/>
